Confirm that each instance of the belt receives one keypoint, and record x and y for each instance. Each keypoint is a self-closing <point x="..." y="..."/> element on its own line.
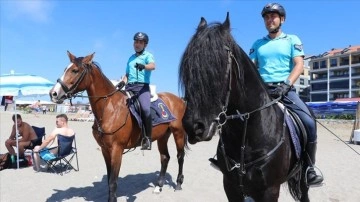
<point x="275" y="83"/>
<point x="137" y="83"/>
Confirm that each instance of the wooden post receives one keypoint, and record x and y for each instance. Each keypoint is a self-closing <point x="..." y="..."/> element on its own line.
<point x="356" y="122"/>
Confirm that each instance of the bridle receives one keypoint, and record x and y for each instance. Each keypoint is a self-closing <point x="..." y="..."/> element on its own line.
<point x="222" y="118"/>
<point x="69" y="94"/>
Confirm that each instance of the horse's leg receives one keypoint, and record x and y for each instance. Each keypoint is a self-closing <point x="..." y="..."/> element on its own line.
<point x="304" y="188"/>
<point x="270" y="194"/>
<point x="164" y="159"/>
<point x="107" y="158"/>
<point x="231" y="190"/>
<point x="113" y="168"/>
<point x="180" y="142"/>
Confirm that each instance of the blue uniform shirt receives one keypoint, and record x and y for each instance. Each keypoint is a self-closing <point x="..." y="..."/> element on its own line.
<point x="139" y="76"/>
<point x="274" y="57"/>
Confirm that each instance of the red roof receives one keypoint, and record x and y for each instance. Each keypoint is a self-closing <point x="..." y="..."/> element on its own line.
<point x="354" y="99"/>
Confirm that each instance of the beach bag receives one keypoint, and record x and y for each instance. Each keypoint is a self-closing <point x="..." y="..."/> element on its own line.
<point x="5" y="161"/>
<point x="23" y="162"/>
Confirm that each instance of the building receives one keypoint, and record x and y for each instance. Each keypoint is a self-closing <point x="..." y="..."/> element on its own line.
<point x="335" y="74"/>
<point x="303" y="82"/>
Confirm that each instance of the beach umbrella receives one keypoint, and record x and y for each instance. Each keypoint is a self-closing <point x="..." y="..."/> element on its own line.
<point x="23" y="85"/>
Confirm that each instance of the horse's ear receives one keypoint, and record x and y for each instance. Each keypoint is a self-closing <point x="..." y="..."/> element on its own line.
<point x="226" y="24"/>
<point x="88" y="59"/>
<point x="202" y="23"/>
<point x="71" y="57"/>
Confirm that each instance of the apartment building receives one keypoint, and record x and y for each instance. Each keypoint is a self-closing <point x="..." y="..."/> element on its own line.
<point x="335" y="74"/>
<point x="302" y="84"/>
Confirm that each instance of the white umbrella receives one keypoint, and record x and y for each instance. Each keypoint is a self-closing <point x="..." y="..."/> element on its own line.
<point x="19" y="85"/>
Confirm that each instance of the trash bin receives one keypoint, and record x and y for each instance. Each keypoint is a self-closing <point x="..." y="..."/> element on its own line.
<point x="356" y="137"/>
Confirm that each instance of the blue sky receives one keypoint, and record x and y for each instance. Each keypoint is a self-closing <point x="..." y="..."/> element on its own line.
<point x="35" y="34"/>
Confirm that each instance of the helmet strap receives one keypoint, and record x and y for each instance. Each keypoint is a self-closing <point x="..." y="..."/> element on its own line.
<point x="140" y="52"/>
<point x="276" y="30"/>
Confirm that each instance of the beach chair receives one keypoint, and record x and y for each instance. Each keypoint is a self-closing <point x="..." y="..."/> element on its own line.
<point x="67" y="151"/>
<point x="85" y="116"/>
<point x="40" y="132"/>
<point x="76" y="116"/>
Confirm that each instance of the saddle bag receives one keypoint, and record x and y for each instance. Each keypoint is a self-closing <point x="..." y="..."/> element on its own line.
<point x="5" y="161"/>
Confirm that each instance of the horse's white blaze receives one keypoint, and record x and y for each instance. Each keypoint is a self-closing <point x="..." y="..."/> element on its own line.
<point x="57" y="88"/>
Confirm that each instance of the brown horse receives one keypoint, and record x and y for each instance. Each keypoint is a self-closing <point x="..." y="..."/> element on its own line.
<point x="115" y="128"/>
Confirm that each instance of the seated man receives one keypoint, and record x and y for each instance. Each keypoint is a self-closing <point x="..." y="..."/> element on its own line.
<point x="51" y="141"/>
<point x="27" y="136"/>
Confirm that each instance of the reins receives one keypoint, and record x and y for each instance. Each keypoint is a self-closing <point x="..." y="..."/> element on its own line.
<point x="222" y="118"/>
<point x="69" y="94"/>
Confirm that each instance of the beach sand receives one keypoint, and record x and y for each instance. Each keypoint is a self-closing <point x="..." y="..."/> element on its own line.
<point x="339" y="164"/>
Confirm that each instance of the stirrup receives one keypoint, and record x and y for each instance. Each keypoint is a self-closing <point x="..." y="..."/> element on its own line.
<point x="146" y="144"/>
<point x="318" y="184"/>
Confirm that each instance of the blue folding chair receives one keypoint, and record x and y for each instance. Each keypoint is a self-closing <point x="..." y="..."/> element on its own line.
<point x="40" y="133"/>
<point x="67" y="151"/>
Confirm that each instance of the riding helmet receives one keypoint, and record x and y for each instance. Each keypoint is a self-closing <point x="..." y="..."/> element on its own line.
<point x="141" y="36"/>
<point x="273" y="8"/>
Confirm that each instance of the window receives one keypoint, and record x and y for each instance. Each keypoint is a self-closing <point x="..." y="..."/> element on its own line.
<point x="318" y="86"/>
<point x="301" y="81"/>
<point x="323" y="64"/>
<point x="333" y="62"/>
<point x="339" y="84"/>
<point x="316" y="65"/>
<point x="344" y="61"/>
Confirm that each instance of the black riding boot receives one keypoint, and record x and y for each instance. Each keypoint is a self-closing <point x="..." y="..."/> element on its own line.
<point x="312" y="177"/>
<point x="146" y="142"/>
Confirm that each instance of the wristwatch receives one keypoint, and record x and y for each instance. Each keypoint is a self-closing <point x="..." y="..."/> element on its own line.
<point x="287" y="82"/>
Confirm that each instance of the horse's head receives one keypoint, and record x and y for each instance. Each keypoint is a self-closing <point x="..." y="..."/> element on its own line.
<point x="209" y="70"/>
<point x="72" y="81"/>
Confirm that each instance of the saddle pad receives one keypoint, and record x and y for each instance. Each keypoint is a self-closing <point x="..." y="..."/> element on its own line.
<point x="160" y="113"/>
<point x="293" y="132"/>
<point x="294" y="136"/>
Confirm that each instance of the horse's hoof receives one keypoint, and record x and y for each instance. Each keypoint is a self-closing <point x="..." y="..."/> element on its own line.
<point x="178" y="188"/>
<point x="157" y="190"/>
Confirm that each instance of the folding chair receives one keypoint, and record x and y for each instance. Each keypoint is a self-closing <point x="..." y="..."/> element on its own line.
<point x="67" y="150"/>
<point x="40" y="132"/>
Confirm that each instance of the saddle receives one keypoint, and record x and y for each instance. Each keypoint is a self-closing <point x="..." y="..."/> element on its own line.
<point x="297" y="130"/>
<point x="160" y="112"/>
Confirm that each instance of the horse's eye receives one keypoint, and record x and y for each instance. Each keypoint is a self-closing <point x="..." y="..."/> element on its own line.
<point x="75" y="71"/>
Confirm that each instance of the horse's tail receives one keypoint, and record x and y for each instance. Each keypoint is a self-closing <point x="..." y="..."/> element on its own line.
<point x="296" y="183"/>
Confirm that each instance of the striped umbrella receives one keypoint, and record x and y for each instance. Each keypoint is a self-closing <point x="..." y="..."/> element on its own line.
<point x="19" y="85"/>
<point x="24" y="85"/>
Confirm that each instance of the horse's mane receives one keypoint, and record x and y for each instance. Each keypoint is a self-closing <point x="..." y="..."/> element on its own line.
<point x="90" y="67"/>
<point x="205" y="61"/>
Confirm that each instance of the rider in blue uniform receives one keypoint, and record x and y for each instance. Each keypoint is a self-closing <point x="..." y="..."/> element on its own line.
<point x="137" y="80"/>
<point x="280" y="60"/>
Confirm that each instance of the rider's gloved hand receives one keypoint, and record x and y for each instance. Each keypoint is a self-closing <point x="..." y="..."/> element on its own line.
<point x="139" y="66"/>
<point x="120" y="85"/>
<point x="280" y="90"/>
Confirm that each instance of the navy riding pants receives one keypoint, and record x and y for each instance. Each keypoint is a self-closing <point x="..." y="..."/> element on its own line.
<point x="142" y="93"/>
<point x="293" y="101"/>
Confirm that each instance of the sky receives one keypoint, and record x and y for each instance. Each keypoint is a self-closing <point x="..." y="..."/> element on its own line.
<point x="35" y="34"/>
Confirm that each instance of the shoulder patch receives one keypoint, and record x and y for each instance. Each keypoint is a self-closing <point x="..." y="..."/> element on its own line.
<point x="298" y="47"/>
<point x="251" y="51"/>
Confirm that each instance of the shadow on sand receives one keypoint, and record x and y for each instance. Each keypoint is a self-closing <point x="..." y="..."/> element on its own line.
<point x="128" y="187"/>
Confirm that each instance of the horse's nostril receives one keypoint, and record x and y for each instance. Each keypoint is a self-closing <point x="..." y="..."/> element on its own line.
<point x="199" y="128"/>
<point x="54" y="94"/>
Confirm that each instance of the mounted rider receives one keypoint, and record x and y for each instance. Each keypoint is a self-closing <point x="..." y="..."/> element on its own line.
<point x="280" y="61"/>
<point x="137" y="80"/>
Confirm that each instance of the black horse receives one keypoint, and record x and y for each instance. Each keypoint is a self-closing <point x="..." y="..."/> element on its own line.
<point x="225" y="95"/>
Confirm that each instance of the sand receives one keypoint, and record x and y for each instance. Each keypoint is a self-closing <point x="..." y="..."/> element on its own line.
<point x="339" y="164"/>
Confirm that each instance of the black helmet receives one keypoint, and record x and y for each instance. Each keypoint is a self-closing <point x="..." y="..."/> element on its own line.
<point x="141" y="36"/>
<point x="273" y="8"/>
